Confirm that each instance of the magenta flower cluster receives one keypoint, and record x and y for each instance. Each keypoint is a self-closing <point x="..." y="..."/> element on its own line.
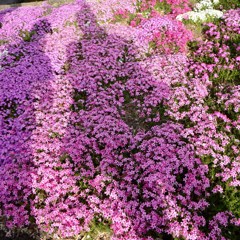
<point x="164" y="35"/>
<point x="92" y="126"/>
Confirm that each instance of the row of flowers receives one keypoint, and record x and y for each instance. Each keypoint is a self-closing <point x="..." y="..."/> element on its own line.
<point x="113" y="111"/>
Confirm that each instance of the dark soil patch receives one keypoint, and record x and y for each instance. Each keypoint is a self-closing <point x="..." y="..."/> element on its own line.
<point x="19" y="236"/>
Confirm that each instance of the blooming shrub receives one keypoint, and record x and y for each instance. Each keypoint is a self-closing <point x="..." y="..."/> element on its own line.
<point x="94" y="130"/>
<point x="162" y="34"/>
<point x="208" y="105"/>
<point x="165" y="35"/>
<point x="150" y="8"/>
<point x="173" y="7"/>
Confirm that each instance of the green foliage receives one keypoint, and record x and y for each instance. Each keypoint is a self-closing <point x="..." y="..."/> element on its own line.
<point x="228" y="200"/>
<point x="229" y="76"/>
<point x="40" y="150"/>
<point x="26" y="35"/>
<point x="232" y="43"/>
<point x="163" y="6"/>
<point x="227" y="5"/>
<point x="96" y="158"/>
<point x="193" y="45"/>
<point x="146" y="13"/>
<point x="18" y="56"/>
<point x="64" y="158"/>
<point x="231" y="198"/>
<point x="138" y="5"/>
<point x="3" y="42"/>
<point x="83" y="184"/>
<point x="53" y="135"/>
<point x="58" y="3"/>
<point x="66" y="67"/>
<point x="127" y="97"/>
<point x="71" y="23"/>
<point x="99" y="229"/>
<point x="42" y="196"/>
<point x="133" y="16"/>
<point x="159" y="110"/>
<point x="80" y="98"/>
<point x="152" y="45"/>
<point x="121" y="18"/>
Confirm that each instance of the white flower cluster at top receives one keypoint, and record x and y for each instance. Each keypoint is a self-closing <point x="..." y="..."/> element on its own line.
<point x="202" y="11"/>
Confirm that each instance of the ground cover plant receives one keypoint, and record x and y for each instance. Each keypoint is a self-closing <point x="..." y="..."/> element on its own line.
<point x="116" y="122"/>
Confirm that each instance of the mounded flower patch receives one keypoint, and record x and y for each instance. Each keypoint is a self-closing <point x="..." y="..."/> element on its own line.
<point x="117" y="123"/>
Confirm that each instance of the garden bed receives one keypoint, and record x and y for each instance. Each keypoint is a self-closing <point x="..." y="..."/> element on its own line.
<point x="120" y="120"/>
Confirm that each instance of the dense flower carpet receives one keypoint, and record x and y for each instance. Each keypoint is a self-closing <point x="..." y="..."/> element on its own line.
<point x="120" y="120"/>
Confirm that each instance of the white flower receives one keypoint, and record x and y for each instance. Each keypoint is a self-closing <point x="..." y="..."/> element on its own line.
<point x="4" y="53"/>
<point x="205" y="4"/>
<point x="202" y="11"/>
<point x="87" y="23"/>
<point x="180" y="17"/>
<point x="201" y="16"/>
